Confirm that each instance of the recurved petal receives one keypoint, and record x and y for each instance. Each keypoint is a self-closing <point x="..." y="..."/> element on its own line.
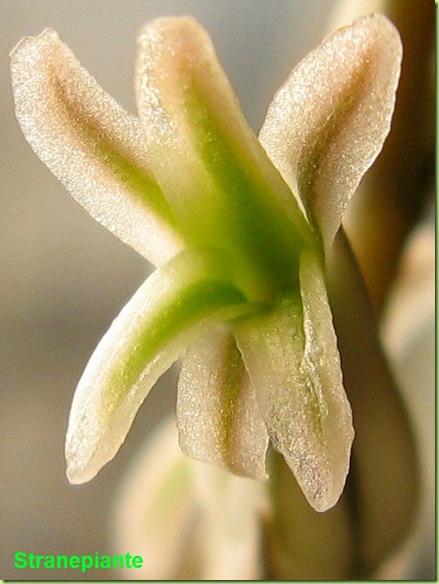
<point x="166" y="313"/>
<point x="91" y="144"/>
<point x="293" y="362"/>
<point x="218" y="415"/>
<point x="328" y="122"/>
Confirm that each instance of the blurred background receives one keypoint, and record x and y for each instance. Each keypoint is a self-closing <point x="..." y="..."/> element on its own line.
<point x="64" y="277"/>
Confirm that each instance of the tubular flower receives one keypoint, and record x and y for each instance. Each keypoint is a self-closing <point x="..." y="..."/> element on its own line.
<point x="239" y="229"/>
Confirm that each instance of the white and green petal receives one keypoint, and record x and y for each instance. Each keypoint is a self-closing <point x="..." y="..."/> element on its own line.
<point x="328" y="122"/>
<point x="292" y="359"/>
<point x="221" y="185"/>
<point x="217" y="411"/>
<point x="167" y="312"/>
<point x="92" y="145"/>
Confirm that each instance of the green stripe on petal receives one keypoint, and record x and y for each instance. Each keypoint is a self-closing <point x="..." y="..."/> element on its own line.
<point x="167" y="312"/>
<point x="328" y="122"/>
<point x="222" y="186"/>
<point x="217" y="412"/>
<point x="91" y="144"/>
<point x="292" y="359"/>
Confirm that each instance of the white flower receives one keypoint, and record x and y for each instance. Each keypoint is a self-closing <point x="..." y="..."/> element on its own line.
<point x="239" y="229"/>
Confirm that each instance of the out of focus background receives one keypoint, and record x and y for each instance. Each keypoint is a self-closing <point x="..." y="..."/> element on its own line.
<point x="64" y="277"/>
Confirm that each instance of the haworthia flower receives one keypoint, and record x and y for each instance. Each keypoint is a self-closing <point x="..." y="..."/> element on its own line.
<point x="246" y="288"/>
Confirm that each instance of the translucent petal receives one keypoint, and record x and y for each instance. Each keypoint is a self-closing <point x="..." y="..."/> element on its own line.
<point x="328" y="122"/>
<point x="221" y="184"/>
<point x="166" y="313"/>
<point x="156" y="511"/>
<point x="217" y="412"/>
<point x="93" y="146"/>
<point x="293" y="362"/>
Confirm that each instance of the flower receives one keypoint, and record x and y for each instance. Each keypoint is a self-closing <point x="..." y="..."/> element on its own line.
<point x="239" y="229"/>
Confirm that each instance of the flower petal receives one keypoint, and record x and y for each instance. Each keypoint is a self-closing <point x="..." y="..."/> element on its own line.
<point x="188" y="520"/>
<point x="232" y="509"/>
<point x="166" y="313"/>
<point x="217" y="412"/>
<point x="156" y="512"/>
<point x="292" y="358"/>
<point x="328" y="122"/>
<point x="93" y="146"/>
<point x="221" y="184"/>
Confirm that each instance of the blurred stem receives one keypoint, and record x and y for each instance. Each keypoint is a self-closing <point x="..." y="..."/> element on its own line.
<point x="391" y="197"/>
<point x="384" y="471"/>
<point x="302" y="544"/>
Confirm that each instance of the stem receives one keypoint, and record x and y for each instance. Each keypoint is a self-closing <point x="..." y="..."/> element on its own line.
<point x="390" y="200"/>
<point x="384" y="458"/>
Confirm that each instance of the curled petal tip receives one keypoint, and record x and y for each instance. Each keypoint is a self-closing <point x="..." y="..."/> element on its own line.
<point x="75" y="477"/>
<point x="93" y="146"/>
<point x="81" y="461"/>
<point x="328" y="122"/>
<point x="167" y="313"/>
<point x="48" y="34"/>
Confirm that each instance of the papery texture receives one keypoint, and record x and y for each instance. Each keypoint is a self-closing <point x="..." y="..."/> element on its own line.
<point x="217" y="411"/>
<point x="221" y="184"/>
<point x="328" y="122"/>
<point x="152" y="330"/>
<point x="292" y="359"/>
<point x="93" y="146"/>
